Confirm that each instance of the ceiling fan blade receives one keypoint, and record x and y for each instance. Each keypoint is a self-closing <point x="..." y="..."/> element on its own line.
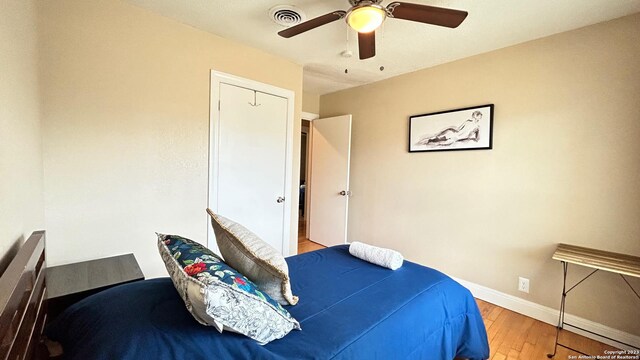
<point x="312" y="24"/>
<point x="367" y="45"/>
<point x="427" y="14"/>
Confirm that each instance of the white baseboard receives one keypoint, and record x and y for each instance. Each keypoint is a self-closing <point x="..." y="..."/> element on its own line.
<point x="550" y="316"/>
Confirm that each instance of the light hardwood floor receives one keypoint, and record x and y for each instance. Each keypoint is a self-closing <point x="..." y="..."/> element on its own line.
<point x="511" y="335"/>
<point x="304" y="244"/>
<point x="515" y="336"/>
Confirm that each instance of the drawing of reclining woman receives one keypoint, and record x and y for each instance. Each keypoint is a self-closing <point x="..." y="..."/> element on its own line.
<point x="469" y="130"/>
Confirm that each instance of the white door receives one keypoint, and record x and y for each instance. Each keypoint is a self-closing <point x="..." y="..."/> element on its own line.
<point x="250" y="175"/>
<point x="329" y="180"/>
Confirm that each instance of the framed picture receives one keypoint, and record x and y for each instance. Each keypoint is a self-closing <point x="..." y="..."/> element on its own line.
<point x="460" y="129"/>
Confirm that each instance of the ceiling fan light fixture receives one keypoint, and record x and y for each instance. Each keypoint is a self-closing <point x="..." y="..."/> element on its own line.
<point x="365" y="18"/>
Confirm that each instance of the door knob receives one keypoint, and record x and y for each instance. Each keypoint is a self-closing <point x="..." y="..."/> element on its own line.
<point x="280" y="199"/>
<point x="345" y="193"/>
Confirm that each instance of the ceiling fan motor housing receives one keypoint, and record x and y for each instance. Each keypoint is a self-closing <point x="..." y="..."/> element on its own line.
<point x="366" y="16"/>
<point x="357" y="2"/>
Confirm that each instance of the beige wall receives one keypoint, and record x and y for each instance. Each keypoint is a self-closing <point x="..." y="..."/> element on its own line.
<point x="565" y="166"/>
<point x="21" y="204"/>
<point x="311" y="102"/>
<point x="126" y="121"/>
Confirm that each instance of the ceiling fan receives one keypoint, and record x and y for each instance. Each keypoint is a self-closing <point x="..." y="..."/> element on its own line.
<point x="365" y="16"/>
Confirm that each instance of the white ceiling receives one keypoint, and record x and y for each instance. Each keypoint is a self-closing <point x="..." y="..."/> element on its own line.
<point x="402" y="46"/>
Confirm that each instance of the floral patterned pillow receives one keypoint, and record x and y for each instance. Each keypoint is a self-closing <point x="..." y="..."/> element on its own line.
<point x="218" y="295"/>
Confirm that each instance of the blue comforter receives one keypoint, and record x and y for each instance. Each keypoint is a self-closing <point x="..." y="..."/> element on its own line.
<point x="348" y="309"/>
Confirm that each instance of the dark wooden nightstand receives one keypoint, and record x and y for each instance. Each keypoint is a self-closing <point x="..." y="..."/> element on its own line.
<point x="68" y="284"/>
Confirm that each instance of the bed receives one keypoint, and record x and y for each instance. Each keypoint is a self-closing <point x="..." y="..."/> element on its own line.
<point x="348" y="309"/>
<point x="23" y="310"/>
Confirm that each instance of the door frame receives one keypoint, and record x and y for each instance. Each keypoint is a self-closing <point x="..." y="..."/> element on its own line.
<point x="309" y="117"/>
<point x="217" y="78"/>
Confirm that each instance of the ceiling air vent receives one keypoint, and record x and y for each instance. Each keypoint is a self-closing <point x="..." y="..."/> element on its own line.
<point x="286" y="15"/>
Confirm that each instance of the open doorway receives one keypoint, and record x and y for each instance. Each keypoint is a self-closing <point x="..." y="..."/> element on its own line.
<point x="304" y="245"/>
<point x="324" y="185"/>
<point x="304" y="163"/>
<point x="304" y="151"/>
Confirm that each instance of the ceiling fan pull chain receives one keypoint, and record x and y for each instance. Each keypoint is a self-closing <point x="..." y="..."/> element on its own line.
<point x="382" y="38"/>
<point x="346" y="53"/>
<point x="347" y="38"/>
<point x="349" y="35"/>
<point x="381" y="47"/>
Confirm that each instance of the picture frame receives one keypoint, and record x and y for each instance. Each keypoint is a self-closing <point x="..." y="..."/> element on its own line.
<point x="469" y="128"/>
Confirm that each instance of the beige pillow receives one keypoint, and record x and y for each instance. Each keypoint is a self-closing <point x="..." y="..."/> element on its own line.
<point x="254" y="258"/>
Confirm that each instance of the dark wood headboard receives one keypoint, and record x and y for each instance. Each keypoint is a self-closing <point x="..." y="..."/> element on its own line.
<point x="23" y="292"/>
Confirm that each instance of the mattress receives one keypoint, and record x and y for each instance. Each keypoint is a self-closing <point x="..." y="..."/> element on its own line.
<point x="348" y="309"/>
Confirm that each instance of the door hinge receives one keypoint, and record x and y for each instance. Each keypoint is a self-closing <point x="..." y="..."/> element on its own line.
<point x="218" y="105"/>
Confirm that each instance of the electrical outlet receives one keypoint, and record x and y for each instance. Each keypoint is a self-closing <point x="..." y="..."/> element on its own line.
<point x="523" y="284"/>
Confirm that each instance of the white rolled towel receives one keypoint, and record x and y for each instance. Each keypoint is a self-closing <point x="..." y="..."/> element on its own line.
<point x="376" y="255"/>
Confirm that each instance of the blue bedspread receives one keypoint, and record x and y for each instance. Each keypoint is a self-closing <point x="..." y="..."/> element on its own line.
<point x="348" y="309"/>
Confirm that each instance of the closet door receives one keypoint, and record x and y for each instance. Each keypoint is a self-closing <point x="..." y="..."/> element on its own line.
<point x="250" y="174"/>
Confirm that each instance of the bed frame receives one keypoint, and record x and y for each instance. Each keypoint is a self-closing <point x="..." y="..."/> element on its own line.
<point x="23" y="310"/>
